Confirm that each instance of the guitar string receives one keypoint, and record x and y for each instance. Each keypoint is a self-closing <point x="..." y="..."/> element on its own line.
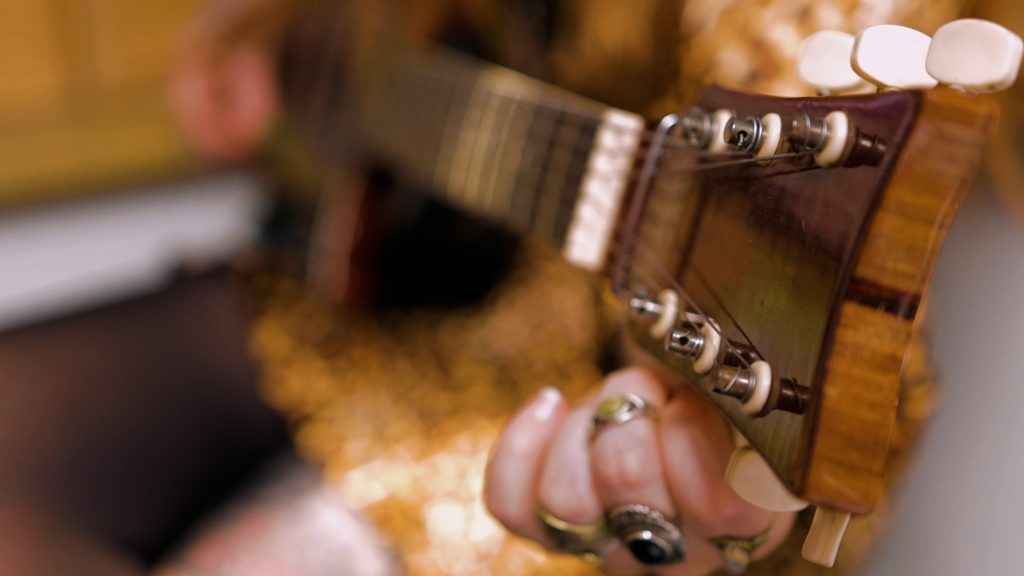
<point x="322" y="104"/>
<point x="735" y="159"/>
<point x="689" y="301"/>
<point x="671" y="142"/>
<point x="574" y="110"/>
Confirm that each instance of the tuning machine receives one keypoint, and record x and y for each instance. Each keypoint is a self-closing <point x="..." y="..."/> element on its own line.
<point x="835" y="141"/>
<point x="728" y="368"/>
<point x="759" y="137"/>
<point x="824" y="63"/>
<point x="893" y="57"/>
<point x="696" y="128"/>
<point x="697" y="339"/>
<point x="736" y="374"/>
<point x="974" y="56"/>
<point x="971" y="55"/>
<point x="706" y="130"/>
<point x="688" y="335"/>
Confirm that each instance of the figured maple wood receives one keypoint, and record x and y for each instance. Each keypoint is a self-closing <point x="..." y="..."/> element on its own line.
<point x="860" y="389"/>
<point x="936" y="168"/>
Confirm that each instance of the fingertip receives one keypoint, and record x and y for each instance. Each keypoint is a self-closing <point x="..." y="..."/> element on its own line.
<point x="513" y="468"/>
<point x="546" y="404"/>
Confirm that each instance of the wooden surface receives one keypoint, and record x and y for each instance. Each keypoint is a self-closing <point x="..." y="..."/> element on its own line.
<point x="861" y="386"/>
<point x="82" y="95"/>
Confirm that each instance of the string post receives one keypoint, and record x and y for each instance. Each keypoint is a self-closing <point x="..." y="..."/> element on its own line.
<point x="696" y="128"/>
<point x="834" y="140"/>
<point x="644" y="305"/>
<point x="752" y="385"/>
<point x="793" y="397"/>
<point x="734" y="382"/>
<point x="809" y="134"/>
<point x="686" y="341"/>
<point x="867" y="150"/>
<point x="744" y="134"/>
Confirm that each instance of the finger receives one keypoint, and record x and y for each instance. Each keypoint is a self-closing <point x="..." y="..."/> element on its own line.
<point x="249" y="100"/>
<point x="566" y="489"/>
<point x="511" y="477"/>
<point x="698" y="444"/>
<point x="626" y="460"/>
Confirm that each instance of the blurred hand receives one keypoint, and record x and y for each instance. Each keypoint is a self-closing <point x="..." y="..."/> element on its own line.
<point x="547" y="460"/>
<point x="224" y="89"/>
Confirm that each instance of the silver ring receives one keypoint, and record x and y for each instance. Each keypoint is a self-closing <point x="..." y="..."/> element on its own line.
<point x="584" y="540"/>
<point x="620" y="409"/>
<point x="647" y="534"/>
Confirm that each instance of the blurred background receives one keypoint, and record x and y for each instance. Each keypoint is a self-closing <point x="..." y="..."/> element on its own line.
<point x="161" y="361"/>
<point x="83" y="104"/>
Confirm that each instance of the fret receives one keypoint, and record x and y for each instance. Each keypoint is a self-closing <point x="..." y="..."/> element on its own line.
<point x="536" y="148"/>
<point x="428" y="111"/>
<point x="556" y="169"/>
<point x="459" y="172"/>
<point x="506" y="147"/>
<point x="455" y="108"/>
<point x="569" y="193"/>
<point x="483" y="154"/>
<point x="500" y="182"/>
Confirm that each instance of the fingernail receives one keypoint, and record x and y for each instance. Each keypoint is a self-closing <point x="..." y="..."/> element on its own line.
<point x="546" y="403"/>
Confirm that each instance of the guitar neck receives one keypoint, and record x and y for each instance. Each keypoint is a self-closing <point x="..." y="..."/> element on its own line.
<point x="506" y="147"/>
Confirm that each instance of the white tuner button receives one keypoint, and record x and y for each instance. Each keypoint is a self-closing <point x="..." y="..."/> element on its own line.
<point x="893" y="57"/>
<point x="975" y="56"/>
<point x="824" y="63"/>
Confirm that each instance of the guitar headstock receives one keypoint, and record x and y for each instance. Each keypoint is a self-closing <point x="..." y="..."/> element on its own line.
<point x="797" y="285"/>
<point x="780" y="265"/>
<point x="761" y="256"/>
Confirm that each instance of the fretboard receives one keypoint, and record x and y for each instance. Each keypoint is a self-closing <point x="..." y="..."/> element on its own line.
<point x="501" y="145"/>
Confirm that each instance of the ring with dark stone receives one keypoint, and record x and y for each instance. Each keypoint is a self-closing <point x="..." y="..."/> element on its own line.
<point x="647" y="534"/>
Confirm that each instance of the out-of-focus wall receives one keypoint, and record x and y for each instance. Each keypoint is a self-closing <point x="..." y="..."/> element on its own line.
<point x="82" y="94"/>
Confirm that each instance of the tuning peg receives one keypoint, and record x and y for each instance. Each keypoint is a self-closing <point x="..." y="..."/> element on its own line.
<point x="975" y="56"/>
<point x="824" y="63"/>
<point x="893" y="57"/>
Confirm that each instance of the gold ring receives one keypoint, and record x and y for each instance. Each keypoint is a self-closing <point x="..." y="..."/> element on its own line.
<point x="584" y="540"/>
<point x="620" y="409"/>
<point x="736" y="552"/>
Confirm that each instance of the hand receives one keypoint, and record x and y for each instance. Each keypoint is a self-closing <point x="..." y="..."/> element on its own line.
<point x="547" y="460"/>
<point x="224" y="90"/>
